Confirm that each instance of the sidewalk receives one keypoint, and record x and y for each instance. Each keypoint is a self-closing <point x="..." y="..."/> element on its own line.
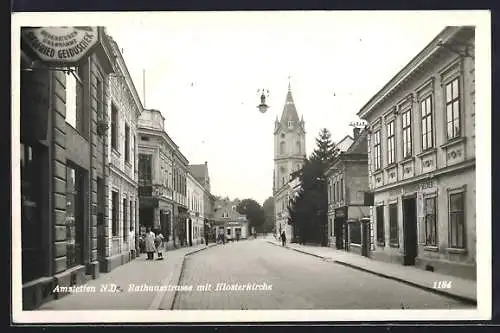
<point x="462" y="289"/>
<point x="138" y="272"/>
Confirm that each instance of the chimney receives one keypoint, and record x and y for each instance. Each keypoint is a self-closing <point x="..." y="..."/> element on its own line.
<point x="356" y="132"/>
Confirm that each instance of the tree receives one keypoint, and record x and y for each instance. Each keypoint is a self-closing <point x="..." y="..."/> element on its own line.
<point x="253" y="212"/>
<point x="308" y="212"/>
<point x="270" y="220"/>
<point x="325" y="147"/>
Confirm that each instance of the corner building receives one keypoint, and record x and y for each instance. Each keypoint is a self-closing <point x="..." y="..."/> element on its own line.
<point x="422" y="159"/>
<point x="61" y="161"/>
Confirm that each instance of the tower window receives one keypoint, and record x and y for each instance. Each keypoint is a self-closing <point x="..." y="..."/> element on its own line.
<point x="282" y="135"/>
<point x="282" y="147"/>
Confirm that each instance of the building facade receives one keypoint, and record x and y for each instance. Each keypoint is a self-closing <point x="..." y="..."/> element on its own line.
<point x="155" y="172"/>
<point x="422" y="159"/>
<point x="228" y="223"/>
<point x="62" y="159"/>
<point x="196" y="211"/>
<point x="349" y="225"/>
<point x="289" y="156"/>
<point x="202" y="176"/>
<point x="180" y="170"/>
<point x="117" y="239"/>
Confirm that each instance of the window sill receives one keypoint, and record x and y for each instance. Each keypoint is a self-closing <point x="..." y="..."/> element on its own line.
<point x="427" y="152"/>
<point x="381" y="244"/>
<point x="394" y="245"/>
<point x="407" y="160"/>
<point x="354" y="245"/>
<point x="377" y="172"/>
<point x="454" y="141"/>
<point x="391" y="166"/>
<point x="456" y="250"/>
<point x="431" y="248"/>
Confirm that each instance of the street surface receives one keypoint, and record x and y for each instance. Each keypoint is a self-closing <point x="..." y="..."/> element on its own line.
<point x="299" y="281"/>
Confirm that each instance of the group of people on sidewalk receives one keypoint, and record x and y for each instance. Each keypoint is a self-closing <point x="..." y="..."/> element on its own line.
<point x="153" y="243"/>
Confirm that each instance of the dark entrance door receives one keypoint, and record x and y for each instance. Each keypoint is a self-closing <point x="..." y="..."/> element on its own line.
<point x="365" y="234"/>
<point x="101" y="240"/>
<point x="345" y="235"/>
<point x="190" y="232"/>
<point x="410" y="230"/>
<point x="338" y="234"/>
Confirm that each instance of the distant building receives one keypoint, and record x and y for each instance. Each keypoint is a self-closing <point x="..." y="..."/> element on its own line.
<point x="196" y="215"/>
<point x="162" y="180"/>
<point x="289" y="156"/>
<point x="422" y="159"/>
<point x="228" y="222"/>
<point x="347" y="182"/>
<point x="201" y="175"/>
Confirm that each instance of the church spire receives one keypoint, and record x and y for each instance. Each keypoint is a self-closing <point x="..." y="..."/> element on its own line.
<point x="289" y="110"/>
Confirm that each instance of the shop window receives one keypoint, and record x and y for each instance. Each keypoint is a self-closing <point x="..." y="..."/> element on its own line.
<point x="114" y="213"/>
<point x="229" y="232"/>
<point x="355" y="232"/>
<point x="74" y="216"/>
<point x="430" y="222"/>
<point x="456" y="220"/>
<point x="125" y="221"/>
<point x="31" y="231"/>
<point x="380" y="226"/>
<point x="132" y="217"/>
<point x="393" y="225"/>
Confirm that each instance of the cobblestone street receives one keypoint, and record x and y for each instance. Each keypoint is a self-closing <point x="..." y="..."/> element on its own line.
<point x="299" y="281"/>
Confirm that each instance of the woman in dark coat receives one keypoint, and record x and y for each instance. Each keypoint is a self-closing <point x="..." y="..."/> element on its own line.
<point x="283" y="238"/>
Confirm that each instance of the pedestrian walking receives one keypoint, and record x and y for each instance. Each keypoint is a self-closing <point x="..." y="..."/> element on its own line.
<point x="283" y="238"/>
<point x="150" y="244"/>
<point x="159" y="245"/>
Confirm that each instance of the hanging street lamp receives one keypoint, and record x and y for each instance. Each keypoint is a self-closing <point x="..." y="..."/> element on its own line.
<point x="264" y="93"/>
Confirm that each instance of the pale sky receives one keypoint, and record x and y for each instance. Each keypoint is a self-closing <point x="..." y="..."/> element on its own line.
<point x="229" y="55"/>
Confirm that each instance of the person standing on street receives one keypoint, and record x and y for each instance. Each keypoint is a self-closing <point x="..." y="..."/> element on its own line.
<point x="159" y="245"/>
<point x="150" y="244"/>
<point x="283" y="238"/>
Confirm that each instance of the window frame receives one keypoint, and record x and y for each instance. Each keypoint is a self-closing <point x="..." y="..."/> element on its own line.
<point x="377" y="158"/>
<point x="427" y="118"/>
<point x="114" y="127"/>
<point x="435" y="222"/>
<point x="380" y="226"/>
<point x="127" y="143"/>
<point x="391" y="147"/>
<point x="459" y="191"/>
<point x="125" y="225"/>
<point x="393" y="224"/>
<point x="115" y="218"/>
<point x="407" y="133"/>
<point x="454" y="121"/>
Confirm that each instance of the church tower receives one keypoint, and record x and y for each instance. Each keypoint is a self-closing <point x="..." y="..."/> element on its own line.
<point x="289" y="156"/>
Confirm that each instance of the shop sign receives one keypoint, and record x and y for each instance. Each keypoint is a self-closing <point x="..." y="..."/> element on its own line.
<point x="61" y="45"/>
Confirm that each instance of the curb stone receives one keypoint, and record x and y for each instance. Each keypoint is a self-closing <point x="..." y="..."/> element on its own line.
<point x="164" y="300"/>
<point x="441" y="292"/>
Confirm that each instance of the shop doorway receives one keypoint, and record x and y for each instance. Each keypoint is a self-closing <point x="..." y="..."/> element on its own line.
<point x="410" y="230"/>
<point x="101" y="227"/>
<point x="190" y="232"/>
